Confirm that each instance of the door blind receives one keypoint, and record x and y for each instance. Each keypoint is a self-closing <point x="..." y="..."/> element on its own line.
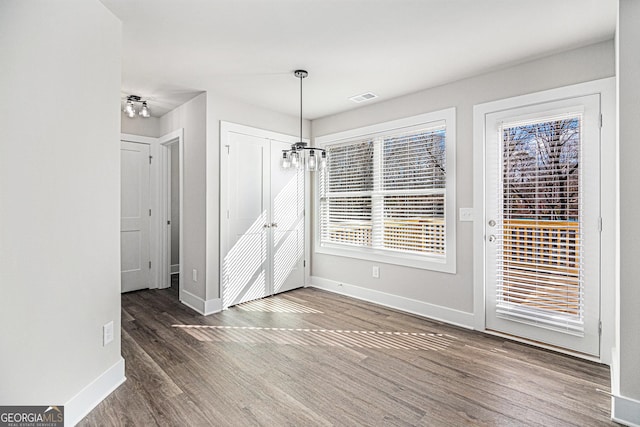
<point x="539" y="233"/>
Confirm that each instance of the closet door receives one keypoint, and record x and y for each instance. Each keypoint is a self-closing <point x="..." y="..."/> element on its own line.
<point x="262" y="216"/>
<point x="245" y="268"/>
<point x="287" y="223"/>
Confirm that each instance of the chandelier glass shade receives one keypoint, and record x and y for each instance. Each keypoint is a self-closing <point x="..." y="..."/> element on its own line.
<point x="300" y="155"/>
<point x="130" y="107"/>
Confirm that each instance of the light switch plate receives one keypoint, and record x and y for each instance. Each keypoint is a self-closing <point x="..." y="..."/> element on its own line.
<point x="466" y="214"/>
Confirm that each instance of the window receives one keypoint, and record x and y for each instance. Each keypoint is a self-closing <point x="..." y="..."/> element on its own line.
<point x="387" y="193"/>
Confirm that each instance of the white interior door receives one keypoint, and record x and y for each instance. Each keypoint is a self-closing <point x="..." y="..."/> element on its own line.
<point x="542" y="241"/>
<point x="134" y="221"/>
<point x="262" y="219"/>
<point x="287" y="223"/>
<point x="244" y="265"/>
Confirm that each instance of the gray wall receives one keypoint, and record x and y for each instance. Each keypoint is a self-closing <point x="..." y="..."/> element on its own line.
<point x="149" y="126"/>
<point x="628" y="371"/>
<point x="175" y="205"/>
<point x="59" y="197"/>
<point x="191" y="116"/>
<point x="454" y="291"/>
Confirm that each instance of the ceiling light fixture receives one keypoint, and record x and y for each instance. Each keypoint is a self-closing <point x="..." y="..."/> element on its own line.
<point x="300" y="155"/>
<point x="144" y="111"/>
<point x="130" y="107"/>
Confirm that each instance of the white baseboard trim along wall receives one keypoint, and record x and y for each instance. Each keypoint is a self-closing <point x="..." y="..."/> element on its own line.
<point x="625" y="411"/>
<point x="203" y="307"/>
<point x="431" y="311"/>
<point x="94" y="393"/>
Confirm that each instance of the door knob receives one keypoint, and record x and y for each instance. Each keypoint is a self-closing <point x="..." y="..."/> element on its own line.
<point x="492" y="238"/>
<point x="492" y="223"/>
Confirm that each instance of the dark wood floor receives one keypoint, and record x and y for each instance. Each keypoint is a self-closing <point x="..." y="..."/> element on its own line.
<point x="310" y="357"/>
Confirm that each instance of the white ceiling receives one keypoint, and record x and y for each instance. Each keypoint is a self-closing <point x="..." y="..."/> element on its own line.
<point x="248" y="49"/>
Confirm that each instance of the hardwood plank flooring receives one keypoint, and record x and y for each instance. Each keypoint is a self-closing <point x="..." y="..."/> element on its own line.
<point x="309" y="357"/>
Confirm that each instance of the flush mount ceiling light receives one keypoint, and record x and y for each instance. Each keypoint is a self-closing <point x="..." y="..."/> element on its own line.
<point x="300" y="155"/>
<point x="130" y="107"/>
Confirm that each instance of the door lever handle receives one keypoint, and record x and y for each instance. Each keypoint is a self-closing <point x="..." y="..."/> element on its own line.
<point x="274" y="224"/>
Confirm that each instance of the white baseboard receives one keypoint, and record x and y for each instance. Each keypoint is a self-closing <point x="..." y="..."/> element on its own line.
<point x="174" y="268"/>
<point x="89" y="397"/>
<point x="625" y="411"/>
<point x="203" y="307"/>
<point x="431" y="311"/>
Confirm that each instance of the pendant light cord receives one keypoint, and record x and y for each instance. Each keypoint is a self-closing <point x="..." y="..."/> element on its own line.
<point x="301" y="108"/>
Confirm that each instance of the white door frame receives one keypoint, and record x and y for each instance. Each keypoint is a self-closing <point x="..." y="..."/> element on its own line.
<point x="225" y="129"/>
<point x="608" y="202"/>
<point x="158" y="149"/>
<point x="164" y="156"/>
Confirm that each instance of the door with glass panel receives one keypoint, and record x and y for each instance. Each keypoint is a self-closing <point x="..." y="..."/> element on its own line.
<point x="542" y="230"/>
<point x="262" y="224"/>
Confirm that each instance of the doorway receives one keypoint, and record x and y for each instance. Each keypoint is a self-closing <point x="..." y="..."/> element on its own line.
<point x="544" y="218"/>
<point x="171" y="201"/>
<point x="542" y="204"/>
<point x="262" y="216"/>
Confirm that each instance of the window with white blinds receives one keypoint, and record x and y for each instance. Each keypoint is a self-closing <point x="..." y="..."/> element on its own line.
<point x="540" y="255"/>
<point x="387" y="193"/>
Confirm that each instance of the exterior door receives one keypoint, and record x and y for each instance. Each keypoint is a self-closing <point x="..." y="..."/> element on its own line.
<point x="542" y="231"/>
<point x="134" y="221"/>
<point x="263" y="244"/>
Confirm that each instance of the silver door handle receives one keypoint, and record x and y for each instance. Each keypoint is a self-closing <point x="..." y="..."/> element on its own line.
<point x="492" y="238"/>
<point x="274" y="224"/>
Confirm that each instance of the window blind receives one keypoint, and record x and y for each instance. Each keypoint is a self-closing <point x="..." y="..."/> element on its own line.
<point x="415" y="160"/>
<point x="539" y="259"/>
<point x="387" y="192"/>
<point x="345" y="190"/>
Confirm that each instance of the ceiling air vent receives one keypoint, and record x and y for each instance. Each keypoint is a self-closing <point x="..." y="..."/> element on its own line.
<point x="363" y="97"/>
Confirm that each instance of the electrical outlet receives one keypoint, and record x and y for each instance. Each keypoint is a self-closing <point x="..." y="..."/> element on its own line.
<point x="107" y="333"/>
<point x="195" y="275"/>
<point x="375" y="272"/>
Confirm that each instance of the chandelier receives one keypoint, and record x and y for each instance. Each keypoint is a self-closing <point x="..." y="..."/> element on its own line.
<point x="130" y="107"/>
<point x="300" y="155"/>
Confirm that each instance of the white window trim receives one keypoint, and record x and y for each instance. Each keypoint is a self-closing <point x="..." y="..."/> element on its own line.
<point x="446" y="263"/>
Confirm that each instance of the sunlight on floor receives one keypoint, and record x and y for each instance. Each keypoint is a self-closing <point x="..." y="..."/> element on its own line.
<point x="320" y="337"/>
<point x="276" y="305"/>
